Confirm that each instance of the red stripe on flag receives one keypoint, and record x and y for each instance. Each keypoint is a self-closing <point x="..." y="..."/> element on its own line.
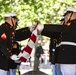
<point x="27" y="49"/>
<point x="33" y="38"/>
<point x="23" y="59"/>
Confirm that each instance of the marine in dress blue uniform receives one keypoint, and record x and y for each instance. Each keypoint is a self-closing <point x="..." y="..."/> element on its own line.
<point x="8" y="35"/>
<point x="66" y="53"/>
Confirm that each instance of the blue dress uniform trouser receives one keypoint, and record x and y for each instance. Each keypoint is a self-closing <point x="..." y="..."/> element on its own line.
<point x="68" y="69"/>
<point x="53" y="69"/>
<point x="3" y="72"/>
<point x="56" y="69"/>
<point x="11" y="72"/>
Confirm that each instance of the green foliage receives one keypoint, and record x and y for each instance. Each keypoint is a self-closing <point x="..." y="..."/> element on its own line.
<point x="29" y="11"/>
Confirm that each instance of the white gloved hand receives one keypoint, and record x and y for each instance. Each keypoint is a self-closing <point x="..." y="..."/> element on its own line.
<point x="40" y="28"/>
<point x="17" y="61"/>
<point x="32" y="28"/>
<point x="14" y="57"/>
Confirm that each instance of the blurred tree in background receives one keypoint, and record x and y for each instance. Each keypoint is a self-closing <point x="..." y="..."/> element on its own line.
<point x="29" y="11"/>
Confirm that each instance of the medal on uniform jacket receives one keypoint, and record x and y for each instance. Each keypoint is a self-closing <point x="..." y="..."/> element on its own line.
<point x="3" y="36"/>
<point x="15" y="46"/>
<point x="68" y="24"/>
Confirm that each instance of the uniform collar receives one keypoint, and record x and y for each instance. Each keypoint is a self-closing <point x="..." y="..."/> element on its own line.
<point x="8" y="25"/>
<point x="73" y="22"/>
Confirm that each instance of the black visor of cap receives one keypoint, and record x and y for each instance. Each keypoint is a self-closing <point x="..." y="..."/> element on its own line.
<point x="67" y="12"/>
<point x="62" y="19"/>
<point x="15" y="17"/>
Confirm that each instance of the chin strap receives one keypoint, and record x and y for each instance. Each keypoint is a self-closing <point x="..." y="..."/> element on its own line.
<point x="70" y="17"/>
<point x="12" y="24"/>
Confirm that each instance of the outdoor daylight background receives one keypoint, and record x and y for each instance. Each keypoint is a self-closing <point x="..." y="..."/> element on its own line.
<point x="29" y="11"/>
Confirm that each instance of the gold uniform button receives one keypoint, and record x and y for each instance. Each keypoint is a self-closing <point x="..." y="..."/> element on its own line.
<point x="11" y="37"/>
<point x="61" y="32"/>
<point x="59" y="41"/>
<point x="2" y="54"/>
<point x="59" y="38"/>
<point x="7" y="48"/>
<point x="60" y="35"/>
<point x="63" y="49"/>
<point x="9" y="51"/>
<point x="12" y="40"/>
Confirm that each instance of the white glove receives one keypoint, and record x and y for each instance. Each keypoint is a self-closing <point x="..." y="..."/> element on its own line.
<point x="17" y="61"/>
<point x="32" y="28"/>
<point x="14" y="57"/>
<point x="40" y="28"/>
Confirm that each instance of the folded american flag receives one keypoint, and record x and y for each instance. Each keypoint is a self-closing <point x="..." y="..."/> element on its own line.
<point x="25" y="53"/>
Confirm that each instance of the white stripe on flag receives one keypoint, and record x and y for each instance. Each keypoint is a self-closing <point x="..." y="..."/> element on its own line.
<point x="35" y="32"/>
<point x="26" y="55"/>
<point x="31" y="44"/>
<point x="20" y="54"/>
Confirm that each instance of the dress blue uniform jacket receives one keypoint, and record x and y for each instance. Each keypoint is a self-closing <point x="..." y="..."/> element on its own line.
<point x="6" y="45"/>
<point x="64" y="54"/>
